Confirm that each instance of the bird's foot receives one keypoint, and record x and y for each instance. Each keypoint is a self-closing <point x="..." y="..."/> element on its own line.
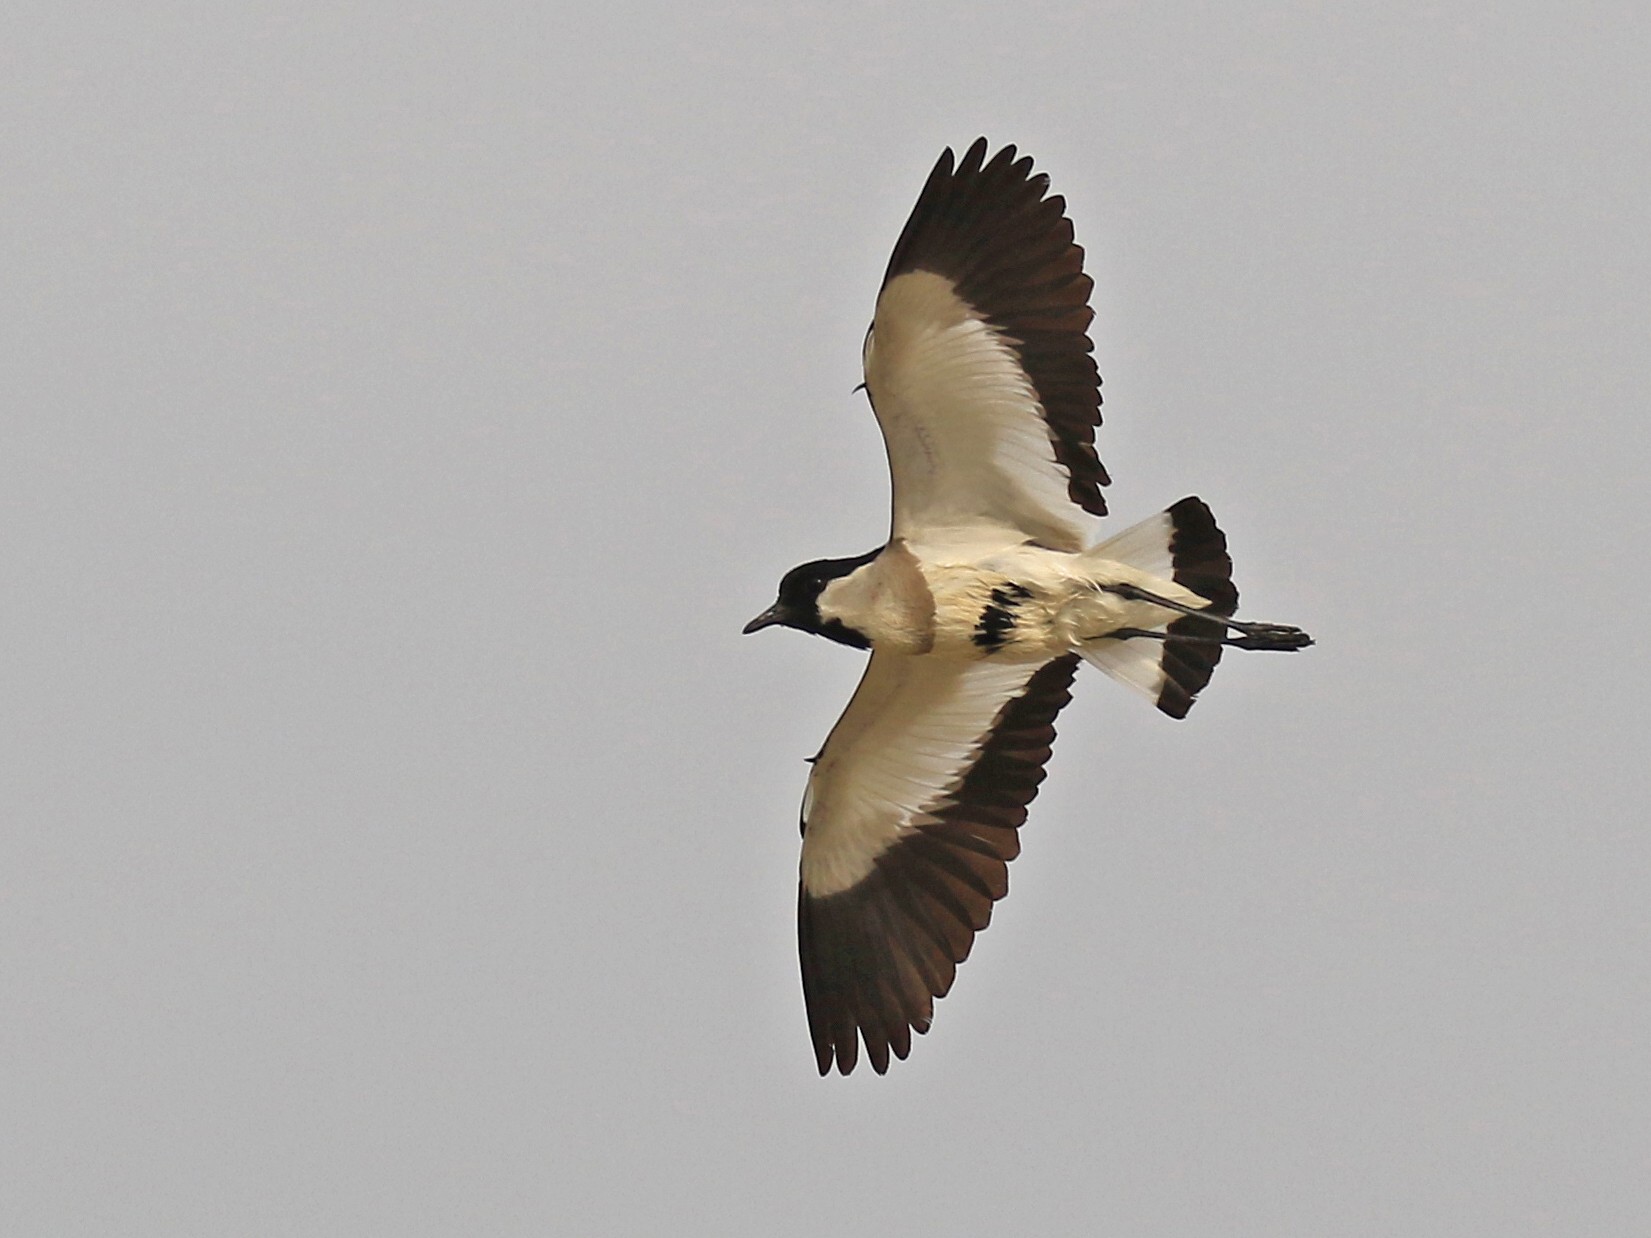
<point x="1271" y="636"/>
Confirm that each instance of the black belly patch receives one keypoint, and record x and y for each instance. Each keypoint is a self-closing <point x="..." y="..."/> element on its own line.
<point x="996" y="626"/>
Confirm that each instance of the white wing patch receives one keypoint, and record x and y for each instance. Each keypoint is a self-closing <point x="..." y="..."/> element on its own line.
<point x="967" y="439"/>
<point x="910" y="734"/>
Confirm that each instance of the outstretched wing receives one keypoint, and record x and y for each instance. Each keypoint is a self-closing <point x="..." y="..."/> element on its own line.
<point x="909" y="822"/>
<point x="979" y="361"/>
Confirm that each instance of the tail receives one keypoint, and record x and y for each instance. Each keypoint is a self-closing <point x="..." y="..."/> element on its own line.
<point x="1181" y="544"/>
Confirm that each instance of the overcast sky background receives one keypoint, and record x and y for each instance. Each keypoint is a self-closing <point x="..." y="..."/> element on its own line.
<point x="405" y="405"/>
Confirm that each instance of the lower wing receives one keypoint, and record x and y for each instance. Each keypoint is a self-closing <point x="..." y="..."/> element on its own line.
<point x="910" y="819"/>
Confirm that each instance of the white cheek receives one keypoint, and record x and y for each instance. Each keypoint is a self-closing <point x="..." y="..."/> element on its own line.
<point x="850" y="598"/>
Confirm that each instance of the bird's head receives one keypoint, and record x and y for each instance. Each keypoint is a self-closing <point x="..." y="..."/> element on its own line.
<point x="798" y="604"/>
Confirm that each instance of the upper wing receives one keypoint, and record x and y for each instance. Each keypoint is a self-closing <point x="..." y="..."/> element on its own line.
<point x="978" y="360"/>
<point x="909" y="822"/>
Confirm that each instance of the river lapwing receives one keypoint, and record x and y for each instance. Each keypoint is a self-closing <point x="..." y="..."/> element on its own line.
<point x="979" y="607"/>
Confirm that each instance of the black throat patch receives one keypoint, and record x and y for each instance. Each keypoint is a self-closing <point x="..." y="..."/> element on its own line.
<point x="996" y="626"/>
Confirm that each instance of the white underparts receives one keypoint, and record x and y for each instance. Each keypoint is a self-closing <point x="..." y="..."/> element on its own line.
<point x="934" y="687"/>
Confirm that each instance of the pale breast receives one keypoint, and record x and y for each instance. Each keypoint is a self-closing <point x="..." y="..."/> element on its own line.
<point x="888" y="600"/>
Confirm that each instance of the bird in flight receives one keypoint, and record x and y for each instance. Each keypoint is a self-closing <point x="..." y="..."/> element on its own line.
<point x="981" y="603"/>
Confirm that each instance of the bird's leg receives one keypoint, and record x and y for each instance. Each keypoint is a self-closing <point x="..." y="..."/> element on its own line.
<point x="1252" y="635"/>
<point x="1274" y="636"/>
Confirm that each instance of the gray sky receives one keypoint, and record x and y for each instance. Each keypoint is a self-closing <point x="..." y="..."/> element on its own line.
<point x="406" y="405"/>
